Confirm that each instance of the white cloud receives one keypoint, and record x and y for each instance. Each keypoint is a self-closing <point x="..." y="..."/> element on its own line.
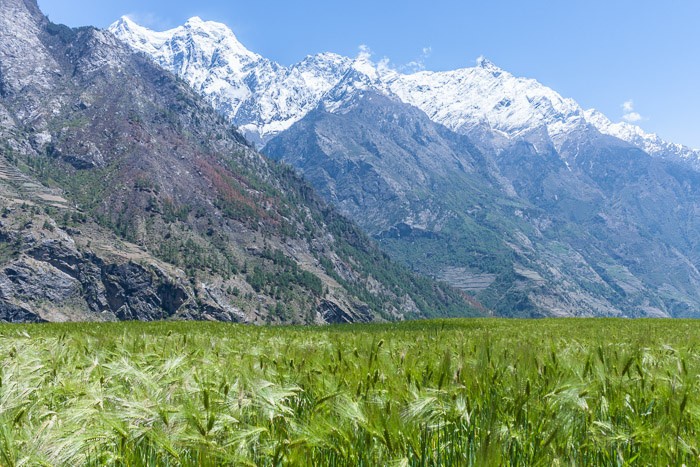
<point x="413" y="66"/>
<point x="384" y="66"/>
<point x="630" y="115"/>
<point x="365" y="52"/>
<point x="418" y="64"/>
<point x="363" y="62"/>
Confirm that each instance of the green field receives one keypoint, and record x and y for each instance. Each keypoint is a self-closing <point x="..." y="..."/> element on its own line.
<point x="457" y="392"/>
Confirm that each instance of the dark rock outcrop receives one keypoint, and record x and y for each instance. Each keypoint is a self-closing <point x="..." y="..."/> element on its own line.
<point x="55" y="274"/>
<point x="10" y="313"/>
<point x="335" y="314"/>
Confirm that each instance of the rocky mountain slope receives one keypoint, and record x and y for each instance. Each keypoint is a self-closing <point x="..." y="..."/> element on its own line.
<point x="529" y="234"/>
<point x="651" y="143"/>
<point x="125" y="196"/>
<point x="492" y="182"/>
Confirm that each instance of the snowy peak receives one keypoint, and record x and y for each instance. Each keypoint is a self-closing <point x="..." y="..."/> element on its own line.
<point x="204" y="53"/>
<point x="124" y="24"/>
<point x="486" y="95"/>
<point x="486" y="64"/>
<point x="216" y="36"/>
<point x="364" y="66"/>
<point x="196" y="42"/>
<point x="257" y="94"/>
<point x="206" y="34"/>
<point x="649" y="142"/>
<point x="138" y="37"/>
<point x="356" y="81"/>
<point x="196" y="21"/>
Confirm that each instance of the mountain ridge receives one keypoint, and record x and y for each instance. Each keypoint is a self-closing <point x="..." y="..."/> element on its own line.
<point x="489" y="108"/>
<point x="260" y="96"/>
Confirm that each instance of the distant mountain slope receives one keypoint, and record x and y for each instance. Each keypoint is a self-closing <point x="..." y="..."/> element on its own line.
<point x="648" y="142"/>
<point x="125" y="196"/>
<point x="527" y="233"/>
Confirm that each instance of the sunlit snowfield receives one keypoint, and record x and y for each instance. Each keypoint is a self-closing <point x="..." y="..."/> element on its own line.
<point x="456" y="392"/>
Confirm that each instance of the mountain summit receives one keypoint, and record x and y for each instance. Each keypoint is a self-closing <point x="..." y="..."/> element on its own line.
<point x="261" y="97"/>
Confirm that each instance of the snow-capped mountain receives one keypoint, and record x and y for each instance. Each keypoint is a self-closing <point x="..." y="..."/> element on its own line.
<point x="265" y="98"/>
<point x="487" y="95"/>
<point x="257" y="94"/>
<point x="649" y="142"/>
<point x="585" y="223"/>
<point x="492" y="182"/>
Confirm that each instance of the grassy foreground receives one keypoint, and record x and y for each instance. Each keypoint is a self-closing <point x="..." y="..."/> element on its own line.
<point x="457" y="392"/>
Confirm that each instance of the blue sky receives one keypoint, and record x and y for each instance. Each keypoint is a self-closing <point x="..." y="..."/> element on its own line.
<point x="604" y="54"/>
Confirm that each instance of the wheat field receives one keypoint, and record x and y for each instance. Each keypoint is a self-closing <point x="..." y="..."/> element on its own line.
<point x="449" y="392"/>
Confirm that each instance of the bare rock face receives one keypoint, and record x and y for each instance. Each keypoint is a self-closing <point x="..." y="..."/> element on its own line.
<point x="10" y="313"/>
<point x="136" y="293"/>
<point x="30" y="279"/>
<point x="332" y="312"/>
<point x="28" y="70"/>
<point x="58" y="282"/>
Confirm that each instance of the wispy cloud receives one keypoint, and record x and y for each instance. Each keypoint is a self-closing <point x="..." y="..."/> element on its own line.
<point x="630" y="115"/>
<point x="418" y="64"/>
<point x="364" y="52"/>
<point x="385" y="65"/>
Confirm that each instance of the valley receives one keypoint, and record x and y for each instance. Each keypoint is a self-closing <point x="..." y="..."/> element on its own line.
<point x="381" y="195"/>
<point x="565" y="212"/>
<point x="209" y="258"/>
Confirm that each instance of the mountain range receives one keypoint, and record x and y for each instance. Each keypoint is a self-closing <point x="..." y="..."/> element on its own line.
<point x="264" y="98"/>
<point x="124" y="195"/>
<point x="493" y="183"/>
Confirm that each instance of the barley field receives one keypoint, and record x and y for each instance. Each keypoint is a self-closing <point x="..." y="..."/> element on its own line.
<point x="449" y="392"/>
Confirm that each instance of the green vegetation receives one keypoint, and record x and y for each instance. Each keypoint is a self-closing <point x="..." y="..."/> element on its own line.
<point x="280" y="281"/>
<point x="434" y="299"/>
<point x="447" y="392"/>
